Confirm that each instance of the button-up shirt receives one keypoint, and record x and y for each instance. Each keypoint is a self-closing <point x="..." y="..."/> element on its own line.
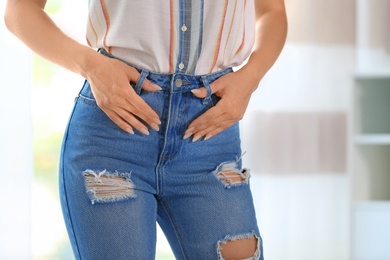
<point x="174" y="36"/>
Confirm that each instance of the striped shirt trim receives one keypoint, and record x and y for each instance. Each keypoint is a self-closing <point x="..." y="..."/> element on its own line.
<point x="218" y="43"/>
<point x="216" y="34"/>
<point x="107" y="19"/>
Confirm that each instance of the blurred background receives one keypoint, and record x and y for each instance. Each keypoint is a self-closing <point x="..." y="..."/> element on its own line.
<point x="316" y="136"/>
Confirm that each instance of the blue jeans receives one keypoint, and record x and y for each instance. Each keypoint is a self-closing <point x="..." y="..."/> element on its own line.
<point x="114" y="186"/>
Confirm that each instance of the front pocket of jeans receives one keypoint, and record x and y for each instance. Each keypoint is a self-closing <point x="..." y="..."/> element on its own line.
<point x="86" y="95"/>
<point x="87" y="100"/>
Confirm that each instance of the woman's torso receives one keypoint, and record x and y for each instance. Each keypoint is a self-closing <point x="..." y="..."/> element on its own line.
<point x="174" y="36"/>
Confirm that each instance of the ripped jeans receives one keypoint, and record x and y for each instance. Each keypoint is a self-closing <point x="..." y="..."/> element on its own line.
<point x="115" y="186"/>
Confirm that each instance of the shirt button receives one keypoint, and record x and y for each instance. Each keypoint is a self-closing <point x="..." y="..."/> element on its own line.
<point x="178" y="83"/>
<point x="184" y="28"/>
<point x="181" y="65"/>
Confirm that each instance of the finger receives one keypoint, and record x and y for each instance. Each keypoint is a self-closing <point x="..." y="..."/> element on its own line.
<point x="119" y="121"/>
<point x="200" y="92"/>
<point x="211" y="117"/>
<point x="210" y="130"/>
<point x="149" y="86"/>
<point x="134" y="76"/>
<point x="141" y="109"/>
<point x="133" y="121"/>
<point x="136" y="105"/>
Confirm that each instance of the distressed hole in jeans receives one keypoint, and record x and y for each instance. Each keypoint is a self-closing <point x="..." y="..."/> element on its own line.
<point x="246" y="247"/>
<point x="108" y="187"/>
<point x="230" y="175"/>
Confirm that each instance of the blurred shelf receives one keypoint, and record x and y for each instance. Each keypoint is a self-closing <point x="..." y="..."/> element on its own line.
<point x="373" y="74"/>
<point x="369" y="139"/>
<point x="373" y="205"/>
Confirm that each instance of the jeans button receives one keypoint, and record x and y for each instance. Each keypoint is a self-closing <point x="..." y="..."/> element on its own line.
<point x="178" y="83"/>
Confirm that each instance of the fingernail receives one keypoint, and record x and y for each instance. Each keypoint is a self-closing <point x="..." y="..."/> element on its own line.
<point x="144" y="131"/>
<point x="196" y="138"/>
<point x="187" y="135"/>
<point x="130" y="131"/>
<point x="207" y="137"/>
<point x="157" y="87"/>
<point x="158" y="121"/>
<point x="196" y="91"/>
<point x="155" y="126"/>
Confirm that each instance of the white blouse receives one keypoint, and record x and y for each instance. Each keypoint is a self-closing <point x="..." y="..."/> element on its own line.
<point x="174" y="36"/>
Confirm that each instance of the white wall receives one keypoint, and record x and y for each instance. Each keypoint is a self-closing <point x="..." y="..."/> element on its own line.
<point x="15" y="147"/>
<point x="304" y="215"/>
<point x="308" y="77"/>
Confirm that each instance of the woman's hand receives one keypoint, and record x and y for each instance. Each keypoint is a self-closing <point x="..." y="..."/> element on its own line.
<point x="110" y="83"/>
<point x="109" y="78"/>
<point x="235" y="90"/>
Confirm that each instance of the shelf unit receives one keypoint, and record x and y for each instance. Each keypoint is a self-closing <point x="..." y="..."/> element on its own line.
<point x="371" y="133"/>
<point x="372" y="137"/>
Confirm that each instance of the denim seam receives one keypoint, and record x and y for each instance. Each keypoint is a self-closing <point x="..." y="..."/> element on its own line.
<point x="161" y="181"/>
<point x="162" y="157"/>
<point x="175" y="227"/>
<point x="86" y="100"/>
<point x="180" y="122"/>
<point x="63" y="181"/>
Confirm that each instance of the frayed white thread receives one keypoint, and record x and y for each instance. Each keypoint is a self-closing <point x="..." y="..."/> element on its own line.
<point x="256" y="255"/>
<point x="231" y="167"/>
<point x="108" y="187"/>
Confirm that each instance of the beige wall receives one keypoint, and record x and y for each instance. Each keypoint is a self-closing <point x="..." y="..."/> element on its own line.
<point x="321" y="22"/>
<point x="378" y="25"/>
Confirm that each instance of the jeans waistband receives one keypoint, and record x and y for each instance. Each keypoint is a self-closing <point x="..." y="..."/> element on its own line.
<point x="176" y="82"/>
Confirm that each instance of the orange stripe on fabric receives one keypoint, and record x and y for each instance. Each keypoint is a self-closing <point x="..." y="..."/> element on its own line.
<point x="88" y="42"/>
<point x="97" y="17"/>
<point x="171" y="36"/>
<point x="230" y="30"/>
<point x="107" y="18"/>
<point x="218" y="43"/>
<point x="243" y="37"/>
<point x="93" y="30"/>
<point x="242" y="43"/>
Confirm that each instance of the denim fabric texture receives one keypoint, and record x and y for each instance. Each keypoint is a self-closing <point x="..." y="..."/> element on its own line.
<point x="157" y="178"/>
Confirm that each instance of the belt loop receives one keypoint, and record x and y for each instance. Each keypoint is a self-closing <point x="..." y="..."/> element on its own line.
<point x="140" y="82"/>
<point x="206" y="84"/>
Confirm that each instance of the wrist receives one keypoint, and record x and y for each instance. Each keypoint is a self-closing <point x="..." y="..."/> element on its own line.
<point x="252" y="74"/>
<point x="87" y="60"/>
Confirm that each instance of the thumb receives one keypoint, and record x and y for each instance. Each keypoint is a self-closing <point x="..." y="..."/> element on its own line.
<point x="134" y="76"/>
<point x="200" y="92"/>
<point x="149" y="86"/>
